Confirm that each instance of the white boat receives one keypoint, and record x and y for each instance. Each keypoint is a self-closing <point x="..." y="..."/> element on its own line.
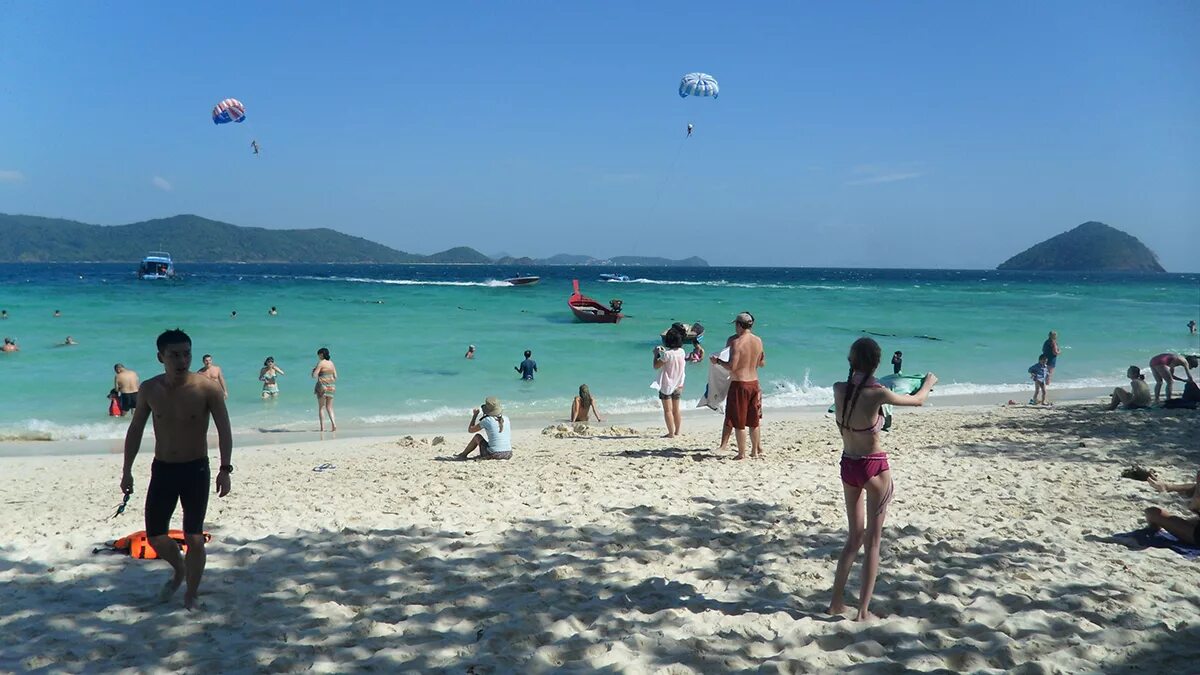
<point x="156" y="265"/>
<point x="613" y="277"/>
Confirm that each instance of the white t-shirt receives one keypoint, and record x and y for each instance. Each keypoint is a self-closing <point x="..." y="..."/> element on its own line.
<point x="673" y="371"/>
<point x="498" y="441"/>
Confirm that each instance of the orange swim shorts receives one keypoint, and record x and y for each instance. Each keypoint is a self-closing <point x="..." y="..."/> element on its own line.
<point x="743" y="405"/>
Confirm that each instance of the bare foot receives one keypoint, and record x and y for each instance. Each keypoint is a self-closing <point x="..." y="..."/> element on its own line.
<point x="723" y="448"/>
<point x="333" y="427"/>
<point x="168" y="589"/>
<point x="191" y="602"/>
<point x="864" y="615"/>
<point x="668" y="435"/>
<point x="738" y="457"/>
<point x="836" y="607"/>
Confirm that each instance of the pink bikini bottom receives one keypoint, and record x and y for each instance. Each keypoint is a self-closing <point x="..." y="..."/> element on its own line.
<point x="857" y="471"/>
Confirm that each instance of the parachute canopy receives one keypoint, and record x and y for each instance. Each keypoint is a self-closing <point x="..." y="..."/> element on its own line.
<point x="229" y="110"/>
<point x="698" y="84"/>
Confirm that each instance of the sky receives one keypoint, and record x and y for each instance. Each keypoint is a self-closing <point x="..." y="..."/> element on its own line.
<point x="916" y="134"/>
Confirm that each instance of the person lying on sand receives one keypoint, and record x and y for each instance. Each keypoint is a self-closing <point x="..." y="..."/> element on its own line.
<point x="1185" y="529"/>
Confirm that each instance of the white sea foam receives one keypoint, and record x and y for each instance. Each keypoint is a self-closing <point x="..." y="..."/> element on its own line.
<point x="46" y="430"/>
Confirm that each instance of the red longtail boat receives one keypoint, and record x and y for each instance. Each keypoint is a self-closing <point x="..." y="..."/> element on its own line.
<point x="588" y="310"/>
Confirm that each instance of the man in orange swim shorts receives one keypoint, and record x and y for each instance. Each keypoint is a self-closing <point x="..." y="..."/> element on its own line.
<point x="743" y="405"/>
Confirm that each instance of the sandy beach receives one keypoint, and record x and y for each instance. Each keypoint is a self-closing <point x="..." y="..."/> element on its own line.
<point x="611" y="549"/>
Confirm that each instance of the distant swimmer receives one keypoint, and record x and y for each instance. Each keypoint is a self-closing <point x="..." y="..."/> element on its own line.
<point x="233" y="314"/>
<point x="4" y="315"/>
<point x="57" y="313"/>
<point x="470" y="352"/>
<point x="897" y="362"/>
<point x="70" y="341"/>
<point x="272" y="311"/>
<point x="690" y="127"/>
<point x="10" y="345"/>
<point x="1191" y="324"/>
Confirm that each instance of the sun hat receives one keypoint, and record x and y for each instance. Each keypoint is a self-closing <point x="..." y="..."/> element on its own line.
<point x="491" y="406"/>
<point x="745" y="318"/>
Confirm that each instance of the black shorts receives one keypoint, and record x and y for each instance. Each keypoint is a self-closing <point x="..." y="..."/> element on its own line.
<point x="127" y="402"/>
<point x="664" y="397"/>
<point x="183" y="482"/>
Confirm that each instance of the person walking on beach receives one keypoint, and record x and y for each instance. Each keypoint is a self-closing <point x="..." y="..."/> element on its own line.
<point x="1051" y="351"/>
<point x="493" y="433"/>
<point x="864" y="466"/>
<point x="126" y="383"/>
<point x="528" y="367"/>
<point x="671" y="364"/>
<point x="213" y="372"/>
<point x="1040" y="374"/>
<point x="583" y="405"/>
<point x="181" y="403"/>
<point x="326" y="374"/>
<point x="268" y="376"/>
<point x="1163" y="366"/>
<point x="743" y="403"/>
<point x="1138" y="394"/>
<point x="897" y="362"/>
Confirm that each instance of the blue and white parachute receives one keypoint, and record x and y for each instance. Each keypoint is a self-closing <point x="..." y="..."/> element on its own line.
<point x="698" y="84"/>
<point x="229" y="110"/>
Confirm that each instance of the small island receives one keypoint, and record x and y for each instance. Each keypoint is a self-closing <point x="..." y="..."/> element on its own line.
<point x="1091" y="247"/>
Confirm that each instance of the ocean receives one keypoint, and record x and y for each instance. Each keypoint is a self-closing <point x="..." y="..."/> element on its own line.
<point x="398" y="333"/>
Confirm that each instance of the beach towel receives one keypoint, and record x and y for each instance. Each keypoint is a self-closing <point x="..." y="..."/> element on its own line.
<point x="1154" y="538"/>
<point x="718" y="385"/>
<point x="901" y="384"/>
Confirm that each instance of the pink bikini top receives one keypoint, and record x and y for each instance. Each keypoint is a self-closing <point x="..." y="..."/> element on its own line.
<point x="857" y="379"/>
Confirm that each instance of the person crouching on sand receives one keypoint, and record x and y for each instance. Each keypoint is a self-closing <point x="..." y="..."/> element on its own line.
<point x="1185" y="529"/>
<point x="865" y="466"/>
<point x="493" y="433"/>
<point x="1163" y="366"/>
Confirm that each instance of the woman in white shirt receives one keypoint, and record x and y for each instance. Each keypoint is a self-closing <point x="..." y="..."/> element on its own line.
<point x="671" y="363"/>
<point x="493" y="433"/>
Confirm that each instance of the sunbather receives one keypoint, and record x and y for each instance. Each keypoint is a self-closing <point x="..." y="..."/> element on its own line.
<point x="1185" y="529"/>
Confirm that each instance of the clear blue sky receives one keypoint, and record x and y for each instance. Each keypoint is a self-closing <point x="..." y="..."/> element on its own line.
<point x="939" y="134"/>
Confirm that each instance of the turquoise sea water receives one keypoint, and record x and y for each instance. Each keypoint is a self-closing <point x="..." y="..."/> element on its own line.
<point x="398" y="333"/>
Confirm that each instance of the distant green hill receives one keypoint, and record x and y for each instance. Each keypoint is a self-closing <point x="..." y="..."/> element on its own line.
<point x="1091" y="247"/>
<point x="188" y="238"/>
<point x="191" y="238"/>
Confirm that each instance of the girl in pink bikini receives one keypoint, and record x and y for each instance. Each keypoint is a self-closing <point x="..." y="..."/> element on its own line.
<point x="1163" y="366"/>
<point x="865" y="466"/>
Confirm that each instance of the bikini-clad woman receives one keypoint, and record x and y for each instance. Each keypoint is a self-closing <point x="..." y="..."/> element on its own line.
<point x="865" y="466"/>
<point x="268" y="376"/>
<point x="1163" y="366"/>
<point x="583" y="405"/>
<point x="326" y="374"/>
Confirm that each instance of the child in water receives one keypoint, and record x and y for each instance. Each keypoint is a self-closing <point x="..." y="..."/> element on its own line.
<point x="897" y="362"/>
<point x="1038" y="372"/>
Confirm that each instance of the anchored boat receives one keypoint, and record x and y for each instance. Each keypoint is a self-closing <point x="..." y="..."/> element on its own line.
<point x="588" y="310"/>
<point x="156" y="265"/>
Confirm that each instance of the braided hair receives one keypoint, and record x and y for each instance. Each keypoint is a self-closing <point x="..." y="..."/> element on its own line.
<point x="864" y="358"/>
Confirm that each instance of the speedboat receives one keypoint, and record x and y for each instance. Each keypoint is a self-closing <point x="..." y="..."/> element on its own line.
<point x="156" y="265"/>
<point x="588" y="310"/>
<point x="613" y="277"/>
<point x="522" y="281"/>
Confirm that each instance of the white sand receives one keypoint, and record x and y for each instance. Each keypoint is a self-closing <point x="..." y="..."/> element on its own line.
<point x="632" y="554"/>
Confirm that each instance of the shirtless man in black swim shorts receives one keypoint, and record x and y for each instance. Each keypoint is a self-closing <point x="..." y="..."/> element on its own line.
<point x="181" y="402"/>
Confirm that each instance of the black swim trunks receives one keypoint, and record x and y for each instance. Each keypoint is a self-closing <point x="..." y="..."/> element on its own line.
<point x="127" y="401"/>
<point x="183" y="482"/>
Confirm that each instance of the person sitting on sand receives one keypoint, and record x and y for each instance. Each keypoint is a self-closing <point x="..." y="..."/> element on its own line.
<point x="1138" y="394"/>
<point x="864" y="465"/>
<point x="1163" y="366"/>
<point x="495" y="441"/>
<point x="583" y="405"/>
<point x="1185" y="529"/>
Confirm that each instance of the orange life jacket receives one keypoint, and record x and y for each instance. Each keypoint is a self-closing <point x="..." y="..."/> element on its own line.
<point x="137" y="545"/>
